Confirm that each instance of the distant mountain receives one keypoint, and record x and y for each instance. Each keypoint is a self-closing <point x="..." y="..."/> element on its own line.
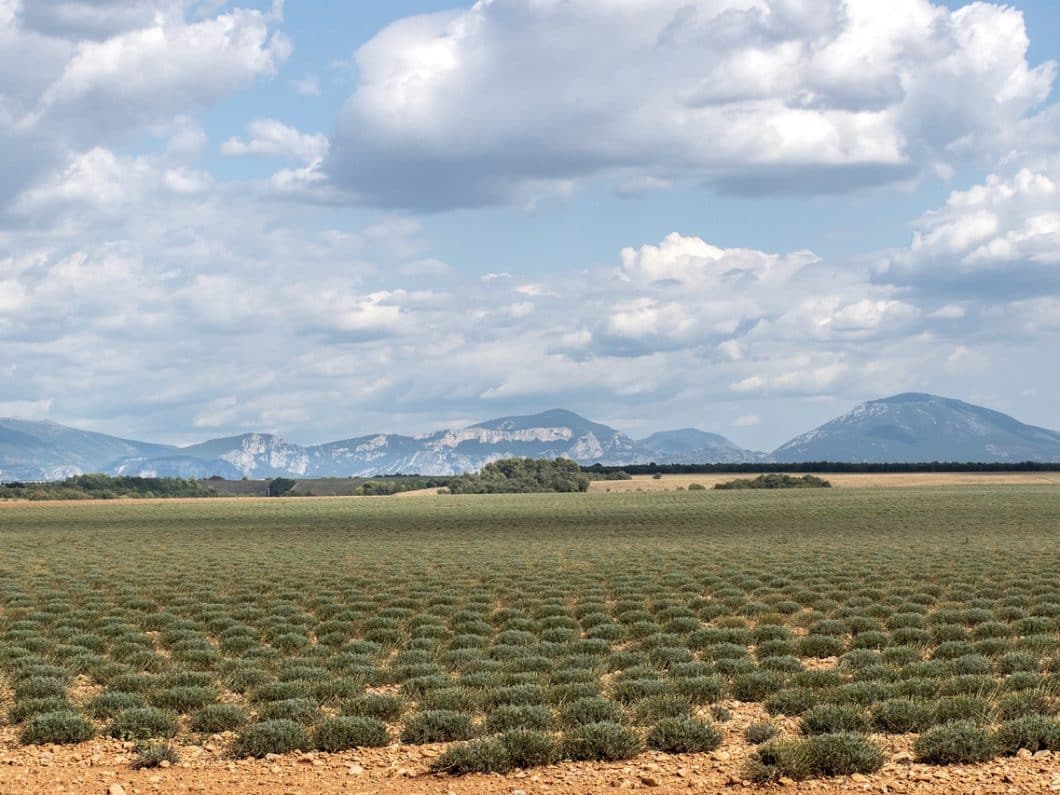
<point x="905" y="428"/>
<point x="551" y="434"/>
<point x="31" y="450"/>
<point x="175" y="466"/>
<point x="692" y="446"/>
<point x="915" y="427"/>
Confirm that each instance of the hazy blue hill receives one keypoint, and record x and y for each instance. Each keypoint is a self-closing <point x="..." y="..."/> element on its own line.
<point x="35" y="450"/>
<point x="693" y="446"/>
<point x="916" y="427"/>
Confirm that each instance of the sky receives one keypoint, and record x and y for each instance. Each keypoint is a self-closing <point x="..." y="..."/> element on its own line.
<point x="325" y="220"/>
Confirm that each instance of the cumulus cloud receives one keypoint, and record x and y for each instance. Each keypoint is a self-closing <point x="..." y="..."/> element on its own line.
<point x="272" y="137"/>
<point x="1001" y="236"/>
<point x="82" y="77"/>
<point x="484" y="105"/>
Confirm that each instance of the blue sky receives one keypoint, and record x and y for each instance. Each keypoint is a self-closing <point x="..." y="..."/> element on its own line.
<point x="325" y="220"/>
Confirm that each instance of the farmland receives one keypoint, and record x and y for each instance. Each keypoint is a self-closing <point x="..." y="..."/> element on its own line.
<point x="910" y="628"/>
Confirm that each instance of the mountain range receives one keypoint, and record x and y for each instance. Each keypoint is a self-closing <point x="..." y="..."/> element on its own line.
<point x="904" y="428"/>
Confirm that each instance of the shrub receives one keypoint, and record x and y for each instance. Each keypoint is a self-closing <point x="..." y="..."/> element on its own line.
<point x="142" y="723"/>
<point x="39" y="687"/>
<point x="656" y="708"/>
<point x="700" y="689"/>
<point x="901" y="716"/>
<point x="1028" y="702"/>
<point x="820" y="755"/>
<point x="1034" y="732"/>
<point x="344" y="733"/>
<point x="23" y="710"/>
<point x="961" y="742"/>
<point x="301" y="710"/>
<point x="603" y="742"/>
<point x="59" y="728"/>
<point x="792" y="701"/>
<point x="529" y="748"/>
<point x="960" y="708"/>
<point x="820" y="646"/>
<point x="684" y="735"/>
<point x="517" y="716"/>
<point x="217" y="718"/>
<point x="758" y="733"/>
<point x="376" y="705"/>
<point x="488" y="755"/>
<point x="271" y="737"/>
<point x="111" y="702"/>
<point x="590" y="710"/>
<point x="833" y="719"/>
<point x="153" y="755"/>
<point x="436" y="726"/>
<point x="757" y="685"/>
<point x="183" y="699"/>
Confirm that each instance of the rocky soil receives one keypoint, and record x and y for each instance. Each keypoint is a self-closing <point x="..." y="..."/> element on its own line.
<point x="104" y="767"/>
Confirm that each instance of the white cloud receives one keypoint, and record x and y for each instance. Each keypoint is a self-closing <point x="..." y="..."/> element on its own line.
<point x="78" y="76"/>
<point x="1004" y="232"/>
<point x="746" y="421"/>
<point x="155" y="71"/>
<point x="272" y="137"/>
<point x="762" y="95"/>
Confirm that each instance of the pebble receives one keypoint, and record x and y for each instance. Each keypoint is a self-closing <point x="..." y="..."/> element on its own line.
<point x="115" y="789"/>
<point x="649" y="781"/>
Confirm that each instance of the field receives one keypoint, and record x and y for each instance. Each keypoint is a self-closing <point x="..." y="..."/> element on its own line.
<point x="842" y="480"/>
<point x="597" y="635"/>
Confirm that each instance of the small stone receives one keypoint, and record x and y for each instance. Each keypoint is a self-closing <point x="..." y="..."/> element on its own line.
<point x="356" y="770"/>
<point x="722" y="756"/>
<point x="858" y="778"/>
<point x="115" y="789"/>
<point x="649" y="781"/>
<point x="1024" y="753"/>
<point x="787" y="782"/>
<point x="165" y="763"/>
<point x="271" y="757"/>
<point x="904" y="757"/>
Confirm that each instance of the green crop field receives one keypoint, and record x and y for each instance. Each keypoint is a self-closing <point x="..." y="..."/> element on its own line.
<point x="528" y="628"/>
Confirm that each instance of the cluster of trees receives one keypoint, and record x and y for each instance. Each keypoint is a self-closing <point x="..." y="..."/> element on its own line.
<point x="775" y="481"/>
<point x="523" y="476"/>
<point x="106" y="487"/>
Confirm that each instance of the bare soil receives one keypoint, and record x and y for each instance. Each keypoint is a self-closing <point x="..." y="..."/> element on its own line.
<point x="96" y="766"/>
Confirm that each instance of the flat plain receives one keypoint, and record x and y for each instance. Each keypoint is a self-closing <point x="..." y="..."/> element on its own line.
<point x="875" y="614"/>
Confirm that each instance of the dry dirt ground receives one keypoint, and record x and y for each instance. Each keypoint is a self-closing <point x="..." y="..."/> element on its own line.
<point x="841" y="481"/>
<point x="103" y="766"/>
